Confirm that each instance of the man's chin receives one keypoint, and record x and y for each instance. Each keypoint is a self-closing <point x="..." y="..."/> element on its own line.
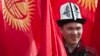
<point x="74" y="43"/>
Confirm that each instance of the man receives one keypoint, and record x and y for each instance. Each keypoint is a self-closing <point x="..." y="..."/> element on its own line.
<point x="71" y="26"/>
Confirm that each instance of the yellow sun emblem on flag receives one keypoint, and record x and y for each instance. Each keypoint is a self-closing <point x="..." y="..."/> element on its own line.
<point x="18" y="13"/>
<point x="89" y="4"/>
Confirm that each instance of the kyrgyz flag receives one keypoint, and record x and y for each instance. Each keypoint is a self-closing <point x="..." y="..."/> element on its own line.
<point x="96" y="33"/>
<point x="19" y="30"/>
<point x="51" y="42"/>
<point x="88" y="8"/>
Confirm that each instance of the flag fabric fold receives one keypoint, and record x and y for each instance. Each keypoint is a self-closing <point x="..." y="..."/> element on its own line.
<point x="51" y="44"/>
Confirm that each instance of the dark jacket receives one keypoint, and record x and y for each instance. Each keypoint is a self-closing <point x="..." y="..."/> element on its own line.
<point x="81" y="50"/>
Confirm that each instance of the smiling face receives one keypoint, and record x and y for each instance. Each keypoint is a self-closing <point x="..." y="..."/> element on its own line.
<point x="72" y="32"/>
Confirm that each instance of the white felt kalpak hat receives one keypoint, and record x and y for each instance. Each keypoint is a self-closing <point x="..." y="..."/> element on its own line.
<point x="70" y="12"/>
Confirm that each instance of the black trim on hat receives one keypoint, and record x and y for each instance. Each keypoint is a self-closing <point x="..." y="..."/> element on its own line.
<point x="65" y="21"/>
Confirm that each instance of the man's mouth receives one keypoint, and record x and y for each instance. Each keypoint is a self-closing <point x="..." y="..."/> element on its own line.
<point x="75" y="38"/>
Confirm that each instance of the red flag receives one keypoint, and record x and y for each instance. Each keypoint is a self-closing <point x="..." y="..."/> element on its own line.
<point x="96" y="36"/>
<point x="18" y="16"/>
<point x="88" y="8"/>
<point x="51" y="44"/>
<point x="2" y="44"/>
<point x="51" y="40"/>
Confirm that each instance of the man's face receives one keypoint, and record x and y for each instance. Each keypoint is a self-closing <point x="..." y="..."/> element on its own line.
<point x="72" y="32"/>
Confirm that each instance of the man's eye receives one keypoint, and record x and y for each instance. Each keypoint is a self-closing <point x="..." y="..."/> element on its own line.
<point x="70" y="28"/>
<point x="78" y="28"/>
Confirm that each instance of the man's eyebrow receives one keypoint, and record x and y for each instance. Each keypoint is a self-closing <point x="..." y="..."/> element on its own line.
<point x="70" y="27"/>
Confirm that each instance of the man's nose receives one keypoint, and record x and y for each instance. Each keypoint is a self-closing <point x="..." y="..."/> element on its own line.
<point x="74" y="32"/>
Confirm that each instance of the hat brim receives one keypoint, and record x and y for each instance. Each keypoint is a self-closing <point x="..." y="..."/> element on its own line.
<point x="65" y="21"/>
